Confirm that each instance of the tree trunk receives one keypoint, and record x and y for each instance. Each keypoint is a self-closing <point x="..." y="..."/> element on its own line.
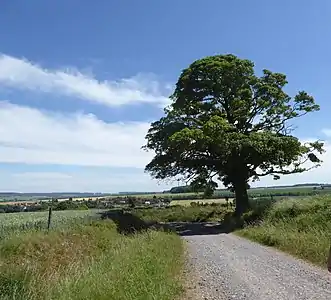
<point x="242" y="204"/>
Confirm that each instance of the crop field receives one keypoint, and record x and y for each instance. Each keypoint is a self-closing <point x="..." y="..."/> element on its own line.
<point x="204" y="201"/>
<point x="159" y="195"/>
<point x="37" y="220"/>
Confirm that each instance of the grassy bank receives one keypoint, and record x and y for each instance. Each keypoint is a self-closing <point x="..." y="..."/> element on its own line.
<point x="90" y="261"/>
<point x="301" y="227"/>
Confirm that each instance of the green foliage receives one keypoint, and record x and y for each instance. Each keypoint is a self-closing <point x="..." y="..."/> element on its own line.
<point x="194" y="213"/>
<point x="209" y="192"/>
<point x="227" y="123"/>
<point x="68" y="205"/>
<point x="131" y="203"/>
<point x="181" y="189"/>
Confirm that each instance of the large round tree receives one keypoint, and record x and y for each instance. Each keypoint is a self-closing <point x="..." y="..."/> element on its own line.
<point x="226" y="123"/>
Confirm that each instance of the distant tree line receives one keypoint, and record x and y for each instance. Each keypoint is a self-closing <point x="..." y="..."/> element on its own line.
<point x="84" y="204"/>
<point x="56" y="205"/>
<point x="300" y="190"/>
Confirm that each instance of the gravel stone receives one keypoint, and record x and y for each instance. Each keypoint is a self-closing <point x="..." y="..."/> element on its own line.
<point x="230" y="267"/>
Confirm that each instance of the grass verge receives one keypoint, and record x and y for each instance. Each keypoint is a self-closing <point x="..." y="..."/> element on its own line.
<point x="91" y="261"/>
<point x="301" y="227"/>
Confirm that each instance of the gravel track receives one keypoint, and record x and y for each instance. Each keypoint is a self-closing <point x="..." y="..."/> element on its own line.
<point x="230" y="267"/>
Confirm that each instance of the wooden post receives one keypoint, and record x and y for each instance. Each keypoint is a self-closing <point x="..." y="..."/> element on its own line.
<point x="329" y="261"/>
<point x="49" y="218"/>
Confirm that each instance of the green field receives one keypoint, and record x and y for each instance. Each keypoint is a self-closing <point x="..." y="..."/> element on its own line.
<point x="204" y="201"/>
<point x="15" y="222"/>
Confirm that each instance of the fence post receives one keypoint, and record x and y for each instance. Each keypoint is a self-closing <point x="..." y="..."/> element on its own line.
<point x="49" y="218"/>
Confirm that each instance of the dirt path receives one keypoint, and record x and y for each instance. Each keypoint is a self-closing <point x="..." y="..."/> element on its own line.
<point x="230" y="267"/>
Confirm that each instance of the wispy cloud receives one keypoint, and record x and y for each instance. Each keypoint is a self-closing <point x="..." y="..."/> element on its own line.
<point x="34" y="137"/>
<point x="327" y="132"/>
<point x="96" y="180"/>
<point x="41" y="176"/>
<point x="23" y="74"/>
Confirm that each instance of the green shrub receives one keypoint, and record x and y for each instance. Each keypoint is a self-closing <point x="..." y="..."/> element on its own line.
<point x="179" y="213"/>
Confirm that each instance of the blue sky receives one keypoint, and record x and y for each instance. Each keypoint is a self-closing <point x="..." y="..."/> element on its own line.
<point x="80" y="81"/>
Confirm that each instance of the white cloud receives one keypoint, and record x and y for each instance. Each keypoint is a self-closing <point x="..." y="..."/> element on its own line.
<point x="22" y="74"/>
<point x="30" y="136"/>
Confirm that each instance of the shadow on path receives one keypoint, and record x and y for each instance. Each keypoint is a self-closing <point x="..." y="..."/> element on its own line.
<point x="197" y="228"/>
<point x="128" y="223"/>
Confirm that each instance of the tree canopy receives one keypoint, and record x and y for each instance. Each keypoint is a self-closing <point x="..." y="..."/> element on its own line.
<point x="226" y="123"/>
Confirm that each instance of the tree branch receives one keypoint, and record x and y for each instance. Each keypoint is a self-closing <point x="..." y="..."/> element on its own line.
<point x="285" y="172"/>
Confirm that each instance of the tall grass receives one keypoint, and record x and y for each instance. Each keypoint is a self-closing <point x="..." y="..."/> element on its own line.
<point x="90" y="261"/>
<point x="301" y="227"/>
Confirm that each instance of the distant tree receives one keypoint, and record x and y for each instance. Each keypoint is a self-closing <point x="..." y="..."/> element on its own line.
<point x="228" y="124"/>
<point x="208" y="192"/>
<point x="180" y="189"/>
<point x="131" y="202"/>
<point x="227" y="201"/>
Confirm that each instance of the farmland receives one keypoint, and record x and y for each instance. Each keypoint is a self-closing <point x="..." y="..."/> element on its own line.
<point x="304" y="190"/>
<point x="97" y="250"/>
<point x="156" y="199"/>
<point x="16" y="222"/>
